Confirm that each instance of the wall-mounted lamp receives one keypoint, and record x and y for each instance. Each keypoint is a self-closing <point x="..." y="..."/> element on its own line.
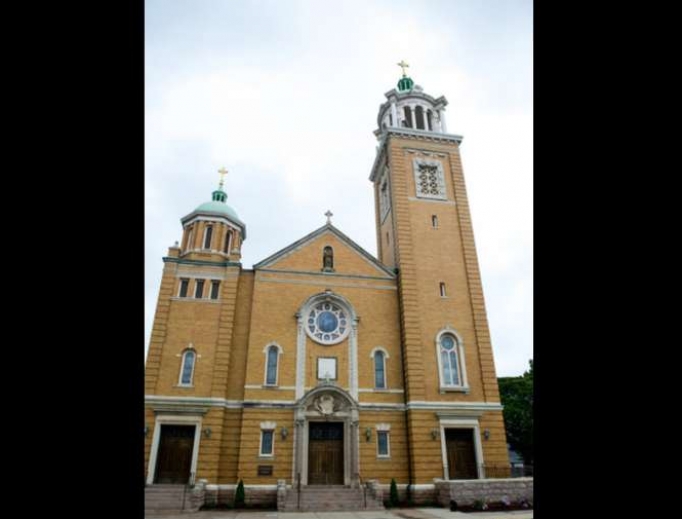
<point x="368" y="433"/>
<point x="486" y="434"/>
<point x="284" y="432"/>
<point x="207" y="432"/>
<point x="434" y="433"/>
<point x="146" y="430"/>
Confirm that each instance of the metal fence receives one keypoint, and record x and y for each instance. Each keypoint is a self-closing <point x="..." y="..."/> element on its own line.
<point x="514" y="470"/>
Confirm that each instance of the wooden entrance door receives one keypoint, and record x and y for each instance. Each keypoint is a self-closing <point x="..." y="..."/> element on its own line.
<point x="174" y="457"/>
<point x="325" y="453"/>
<point x="459" y="444"/>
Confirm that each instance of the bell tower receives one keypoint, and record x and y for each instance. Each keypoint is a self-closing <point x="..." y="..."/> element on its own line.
<point x="424" y="231"/>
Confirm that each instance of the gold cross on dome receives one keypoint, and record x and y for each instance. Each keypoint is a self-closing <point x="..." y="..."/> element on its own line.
<point x="222" y="172"/>
<point x="329" y="215"/>
<point x="404" y="65"/>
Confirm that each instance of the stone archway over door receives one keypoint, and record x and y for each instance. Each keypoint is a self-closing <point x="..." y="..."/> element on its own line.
<point x="326" y="404"/>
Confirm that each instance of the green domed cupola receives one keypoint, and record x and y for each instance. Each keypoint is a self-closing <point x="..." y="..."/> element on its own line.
<point x="214" y="227"/>
<point x="405" y="83"/>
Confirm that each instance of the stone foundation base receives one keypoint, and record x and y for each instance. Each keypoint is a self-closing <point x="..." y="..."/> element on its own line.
<point x="467" y="491"/>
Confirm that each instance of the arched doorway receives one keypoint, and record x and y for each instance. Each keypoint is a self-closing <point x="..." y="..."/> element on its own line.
<point x="326" y="451"/>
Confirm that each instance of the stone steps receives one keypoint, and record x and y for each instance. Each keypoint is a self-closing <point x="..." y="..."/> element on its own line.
<point x="166" y="498"/>
<point x="328" y="499"/>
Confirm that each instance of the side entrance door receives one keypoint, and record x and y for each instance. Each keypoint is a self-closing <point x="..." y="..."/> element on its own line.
<point x="174" y="458"/>
<point x="461" y="456"/>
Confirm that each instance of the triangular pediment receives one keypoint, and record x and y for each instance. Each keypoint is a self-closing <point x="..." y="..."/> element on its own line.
<point x="306" y="255"/>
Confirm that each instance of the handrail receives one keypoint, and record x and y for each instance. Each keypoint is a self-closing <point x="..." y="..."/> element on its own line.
<point x="364" y="490"/>
<point x="298" y="488"/>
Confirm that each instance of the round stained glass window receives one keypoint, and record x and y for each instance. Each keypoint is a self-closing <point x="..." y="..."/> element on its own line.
<point x="327" y="323"/>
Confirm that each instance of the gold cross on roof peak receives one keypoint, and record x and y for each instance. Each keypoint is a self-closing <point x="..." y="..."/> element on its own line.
<point x="222" y="172"/>
<point x="404" y="65"/>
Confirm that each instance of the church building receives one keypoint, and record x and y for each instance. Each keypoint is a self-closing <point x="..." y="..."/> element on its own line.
<point x="322" y="365"/>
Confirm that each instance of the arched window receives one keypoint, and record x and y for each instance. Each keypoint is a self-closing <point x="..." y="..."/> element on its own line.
<point x="451" y="361"/>
<point x="328" y="258"/>
<point x="379" y="370"/>
<point x="419" y="117"/>
<point x="272" y="353"/>
<point x="379" y="356"/>
<point x="228" y="242"/>
<point x="207" y="237"/>
<point x="408" y="117"/>
<point x="429" y="114"/>
<point x="187" y="370"/>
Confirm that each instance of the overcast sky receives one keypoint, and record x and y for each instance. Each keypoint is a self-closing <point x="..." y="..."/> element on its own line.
<point x="285" y="94"/>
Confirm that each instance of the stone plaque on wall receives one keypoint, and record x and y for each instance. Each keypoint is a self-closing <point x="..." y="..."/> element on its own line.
<point x="265" y="470"/>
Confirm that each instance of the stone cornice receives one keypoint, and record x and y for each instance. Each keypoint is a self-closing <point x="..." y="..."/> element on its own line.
<point x="410" y="133"/>
<point x="168" y="259"/>
<point x="445" y="409"/>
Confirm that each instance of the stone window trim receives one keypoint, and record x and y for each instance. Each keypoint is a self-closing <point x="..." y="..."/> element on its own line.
<point x="384" y="429"/>
<point x="184" y="359"/>
<point x="265" y="428"/>
<point x="384" y="357"/>
<point x="266" y="351"/>
<point x="463" y="385"/>
<point x="429" y="179"/>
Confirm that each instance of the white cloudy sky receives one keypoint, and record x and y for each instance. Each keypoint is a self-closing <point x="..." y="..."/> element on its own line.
<point x="285" y="93"/>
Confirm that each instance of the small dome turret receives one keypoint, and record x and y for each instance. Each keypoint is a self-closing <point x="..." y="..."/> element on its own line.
<point x="214" y="227"/>
<point x="409" y="107"/>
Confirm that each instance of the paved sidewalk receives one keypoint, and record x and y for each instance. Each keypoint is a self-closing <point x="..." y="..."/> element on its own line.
<point x="404" y="513"/>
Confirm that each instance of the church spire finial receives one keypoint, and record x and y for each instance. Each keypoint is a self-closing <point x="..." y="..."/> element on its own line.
<point x="222" y="172"/>
<point x="405" y="83"/>
<point x="404" y="65"/>
<point x="329" y="215"/>
<point x="219" y="195"/>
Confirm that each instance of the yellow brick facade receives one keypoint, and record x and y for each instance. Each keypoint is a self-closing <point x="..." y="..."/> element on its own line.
<point x="394" y="304"/>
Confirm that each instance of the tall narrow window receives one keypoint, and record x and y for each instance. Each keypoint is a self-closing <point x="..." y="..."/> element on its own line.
<point x="408" y="117"/>
<point x="184" y="285"/>
<point x="187" y="368"/>
<point x="428" y="119"/>
<point x="442" y="290"/>
<point x="390" y="119"/>
<point x="419" y="117"/>
<point x="207" y="237"/>
<point x="328" y="258"/>
<point x="215" y="289"/>
<point x="228" y="242"/>
<point x="379" y="370"/>
<point x="434" y="221"/>
<point x="271" y="366"/>
<point x="266" y="443"/>
<point x="449" y="361"/>
<point x="199" y="289"/>
<point x="190" y="239"/>
<point x="383" y="450"/>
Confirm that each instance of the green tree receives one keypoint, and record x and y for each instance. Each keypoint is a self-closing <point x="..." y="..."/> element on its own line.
<point x="239" y="497"/>
<point x="516" y="394"/>
<point x="393" y="493"/>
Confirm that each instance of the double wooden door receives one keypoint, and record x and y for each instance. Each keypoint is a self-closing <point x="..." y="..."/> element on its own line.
<point x="174" y="457"/>
<point x="325" y="453"/>
<point x="459" y="444"/>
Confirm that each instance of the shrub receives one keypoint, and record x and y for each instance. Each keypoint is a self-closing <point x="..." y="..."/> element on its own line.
<point x="239" y="497"/>
<point x="480" y="504"/>
<point x="393" y="494"/>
